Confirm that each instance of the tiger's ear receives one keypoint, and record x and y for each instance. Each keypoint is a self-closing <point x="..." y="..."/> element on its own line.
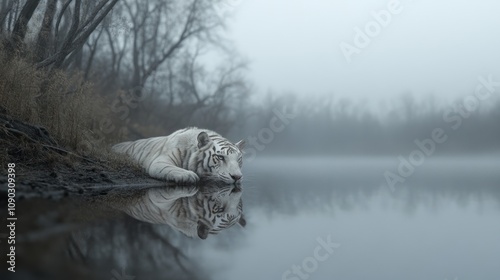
<point x="240" y="144"/>
<point x="202" y="231"/>
<point x="203" y="139"/>
<point x="242" y="221"/>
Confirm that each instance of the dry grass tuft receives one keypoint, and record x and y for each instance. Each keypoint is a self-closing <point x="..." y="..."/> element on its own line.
<point x="70" y="110"/>
<point x="64" y="104"/>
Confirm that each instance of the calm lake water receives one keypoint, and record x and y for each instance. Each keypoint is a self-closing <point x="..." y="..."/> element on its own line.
<point x="443" y="222"/>
<point x="307" y="218"/>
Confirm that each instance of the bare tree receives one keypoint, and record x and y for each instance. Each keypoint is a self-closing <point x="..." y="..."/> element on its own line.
<point x="194" y="95"/>
<point x="21" y="25"/>
<point x="80" y="30"/>
<point x="161" y="28"/>
<point x="117" y="48"/>
<point x="5" y="9"/>
<point x="130" y="47"/>
<point x="45" y="34"/>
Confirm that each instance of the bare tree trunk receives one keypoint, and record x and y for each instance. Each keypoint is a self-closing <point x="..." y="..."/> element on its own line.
<point x="79" y="33"/>
<point x="148" y="52"/>
<point x="69" y="36"/>
<point x="93" y="50"/>
<point x="77" y="62"/>
<point x="13" y="16"/>
<point x="21" y="25"/>
<point x="44" y="36"/>
<point x="62" y="14"/>
<point x="6" y="8"/>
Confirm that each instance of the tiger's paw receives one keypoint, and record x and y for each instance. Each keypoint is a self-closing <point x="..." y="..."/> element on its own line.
<point x="184" y="177"/>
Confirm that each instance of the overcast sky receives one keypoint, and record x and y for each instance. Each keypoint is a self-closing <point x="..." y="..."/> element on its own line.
<point x="438" y="47"/>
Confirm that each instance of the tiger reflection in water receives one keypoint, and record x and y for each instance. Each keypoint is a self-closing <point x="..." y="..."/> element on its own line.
<point x="194" y="210"/>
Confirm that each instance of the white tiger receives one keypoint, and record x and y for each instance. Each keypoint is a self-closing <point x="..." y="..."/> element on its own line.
<point x="187" y="154"/>
<point x="192" y="211"/>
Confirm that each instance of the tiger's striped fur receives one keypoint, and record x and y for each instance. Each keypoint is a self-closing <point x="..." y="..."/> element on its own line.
<point x="212" y="208"/>
<point x="187" y="154"/>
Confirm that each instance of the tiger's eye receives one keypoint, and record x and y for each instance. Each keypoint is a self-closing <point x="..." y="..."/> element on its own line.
<point x="217" y="209"/>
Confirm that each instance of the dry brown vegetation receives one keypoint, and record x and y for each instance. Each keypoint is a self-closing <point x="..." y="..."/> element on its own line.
<point x="63" y="104"/>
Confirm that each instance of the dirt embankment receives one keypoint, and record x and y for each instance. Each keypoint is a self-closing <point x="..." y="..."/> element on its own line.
<point x="57" y="193"/>
<point x="45" y="169"/>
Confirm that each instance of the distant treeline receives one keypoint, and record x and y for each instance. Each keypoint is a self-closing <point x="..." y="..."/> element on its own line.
<point x="326" y="125"/>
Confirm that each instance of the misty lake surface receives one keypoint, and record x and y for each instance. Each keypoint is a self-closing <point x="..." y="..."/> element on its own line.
<point x="443" y="222"/>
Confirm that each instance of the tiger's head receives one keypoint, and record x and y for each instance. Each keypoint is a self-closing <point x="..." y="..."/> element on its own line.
<point x="221" y="207"/>
<point x="219" y="158"/>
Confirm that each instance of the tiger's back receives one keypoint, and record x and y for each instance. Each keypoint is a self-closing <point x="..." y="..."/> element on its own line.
<point x="186" y="154"/>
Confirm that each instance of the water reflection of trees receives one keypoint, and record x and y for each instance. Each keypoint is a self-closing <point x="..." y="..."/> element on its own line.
<point x="75" y="239"/>
<point x="142" y="250"/>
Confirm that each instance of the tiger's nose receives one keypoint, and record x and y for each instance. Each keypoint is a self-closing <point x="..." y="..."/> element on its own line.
<point x="236" y="178"/>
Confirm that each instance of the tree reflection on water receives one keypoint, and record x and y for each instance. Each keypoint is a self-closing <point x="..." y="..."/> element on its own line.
<point x="89" y="237"/>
